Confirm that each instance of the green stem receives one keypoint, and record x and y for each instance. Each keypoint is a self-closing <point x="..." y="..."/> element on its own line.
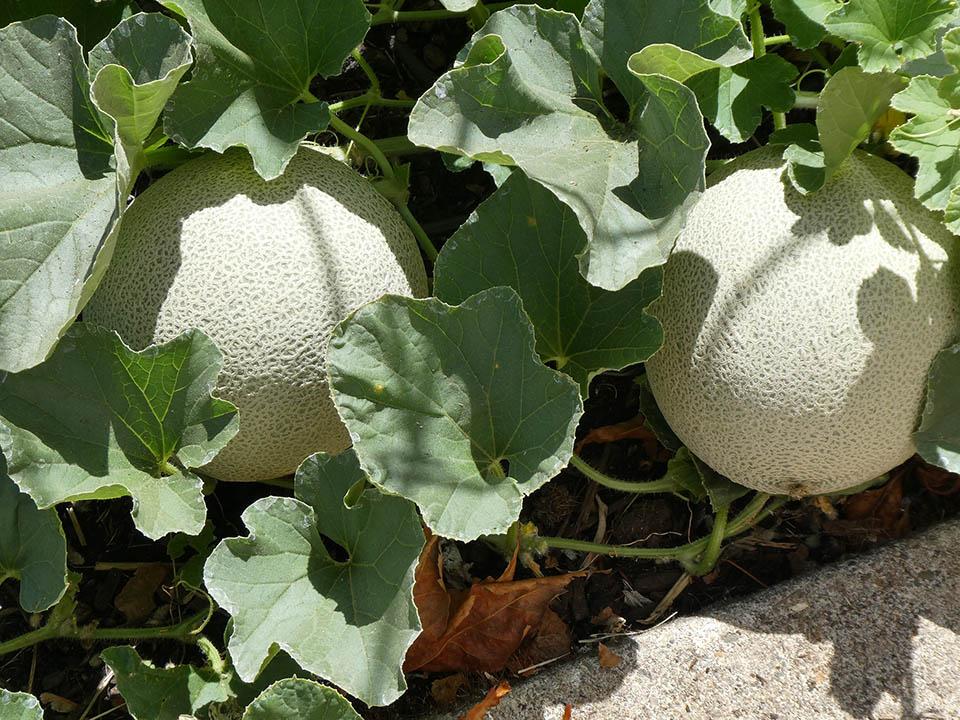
<point x="214" y="659"/>
<point x="369" y="100"/>
<point x="183" y="631"/>
<point x="169" y="156"/>
<point x="776" y="40"/>
<point x="708" y="560"/>
<point x="646" y="488"/>
<point x="759" y="42"/>
<point x="400" y="145"/>
<point x="387" y="169"/>
<point x="806" y="100"/>
<point x="755" y="511"/>
<point x="367" y="70"/>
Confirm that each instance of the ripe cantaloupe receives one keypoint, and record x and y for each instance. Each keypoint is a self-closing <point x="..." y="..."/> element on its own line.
<point x="266" y="269"/>
<point x="798" y="330"/>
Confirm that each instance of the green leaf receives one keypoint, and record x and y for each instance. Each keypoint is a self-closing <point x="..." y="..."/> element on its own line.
<point x="19" y="706"/>
<point x="451" y="408"/>
<point x="653" y="418"/>
<point x="850" y="104"/>
<point x="93" y="19"/>
<point x="732" y="98"/>
<point x="33" y="548"/>
<point x="302" y="699"/>
<point x="253" y="69"/>
<point x="938" y="437"/>
<point x="937" y="63"/>
<point x="58" y="203"/>
<point x="153" y="693"/>
<point x="350" y="620"/>
<point x="98" y="420"/>
<point x="932" y="135"/>
<point x="458" y="5"/>
<point x="890" y="32"/>
<point x="731" y="8"/>
<point x="523" y="237"/>
<point x="683" y="470"/>
<point x="136" y="68"/>
<point x="721" y="490"/>
<point x="804" y="19"/>
<point x="532" y="74"/>
<point x="806" y="166"/>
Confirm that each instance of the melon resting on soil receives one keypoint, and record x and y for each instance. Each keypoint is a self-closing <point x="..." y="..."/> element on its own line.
<point x="799" y="329"/>
<point x="267" y="270"/>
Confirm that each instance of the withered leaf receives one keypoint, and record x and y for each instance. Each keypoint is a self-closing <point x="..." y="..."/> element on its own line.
<point x="490" y="701"/>
<point x="136" y="599"/>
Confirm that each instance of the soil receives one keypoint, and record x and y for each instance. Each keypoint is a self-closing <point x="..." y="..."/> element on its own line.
<point x="105" y="549"/>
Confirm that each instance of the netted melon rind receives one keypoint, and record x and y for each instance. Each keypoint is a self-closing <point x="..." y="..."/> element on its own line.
<point x="799" y="329"/>
<point x="267" y="270"/>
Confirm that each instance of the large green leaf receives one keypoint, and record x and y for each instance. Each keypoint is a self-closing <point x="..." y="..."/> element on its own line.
<point x="451" y="407"/>
<point x="135" y="69"/>
<point x="19" y="706"/>
<point x="58" y="191"/>
<point x="153" y="693"/>
<point x="932" y="135"/>
<point x="938" y="437"/>
<point x="850" y="104"/>
<point x="349" y="620"/>
<point x="527" y="91"/>
<point x="732" y="98"/>
<point x="98" y="420"/>
<point x="33" y="548"/>
<point x="525" y="238"/>
<point x="253" y="72"/>
<point x="302" y="699"/>
<point x="890" y="32"/>
<point x="804" y="19"/>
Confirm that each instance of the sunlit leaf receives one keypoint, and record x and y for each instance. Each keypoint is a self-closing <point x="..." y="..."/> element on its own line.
<point x="301" y="699"/>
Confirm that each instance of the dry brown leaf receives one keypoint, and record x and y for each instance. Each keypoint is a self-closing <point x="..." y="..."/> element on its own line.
<point x="136" y="599"/>
<point x="567" y="711"/>
<point x="608" y="658"/>
<point x="551" y="641"/>
<point x="58" y="704"/>
<point x="444" y="690"/>
<point x="880" y="510"/>
<point x="477" y="629"/>
<point x="490" y="701"/>
<point x="626" y="430"/>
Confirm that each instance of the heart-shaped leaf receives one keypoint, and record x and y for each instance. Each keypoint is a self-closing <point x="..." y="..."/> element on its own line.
<point x="286" y="591"/>
<point x="302" y="699"/>
<point x="98" y="420"/>
<point x="251" y="83"/>
<point x="19" y="706"/>
<point x="525" y="238"/>
<point x="33" y="548"/>
<point x="451" y="407"/>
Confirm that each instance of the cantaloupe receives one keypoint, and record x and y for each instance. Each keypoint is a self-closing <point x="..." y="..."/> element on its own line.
<point x="799" y="329"/>
<point x="266" y="269"/>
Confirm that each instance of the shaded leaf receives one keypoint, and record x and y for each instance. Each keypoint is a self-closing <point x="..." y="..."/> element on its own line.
<point x="254" y="68"/>
<point x="525" y="238"/>
<point x="890" y="32"/>
<point x="284" y="590"/>
<point x="551" y="640"/>
<point x="59" y="197"/>
<point x="721" y="490"/>
<point x="850" y="104"/>
<point x="302" y="699"/>
<point x="135" y="69"/>
<point x="478" y="629"/>
<point x="531" y="73"/>
<point x="33" y="548"/>
<point x="93" y="19"/>
<point x="153" y="693"/>
<point x="806" y="166"/>
<point x="136" y="599"/>
<point x="804" y="19"/>
<point x="938" y="437"/>
<point x="451" y="408"/>
<point x="932" y="135"/>
<point x="126" y="416"/>
<point x="732" y="98"/>
<point x="19" y="706"/>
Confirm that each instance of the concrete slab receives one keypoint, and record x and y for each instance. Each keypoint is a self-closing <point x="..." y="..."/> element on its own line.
<point x="871" y="638"/>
